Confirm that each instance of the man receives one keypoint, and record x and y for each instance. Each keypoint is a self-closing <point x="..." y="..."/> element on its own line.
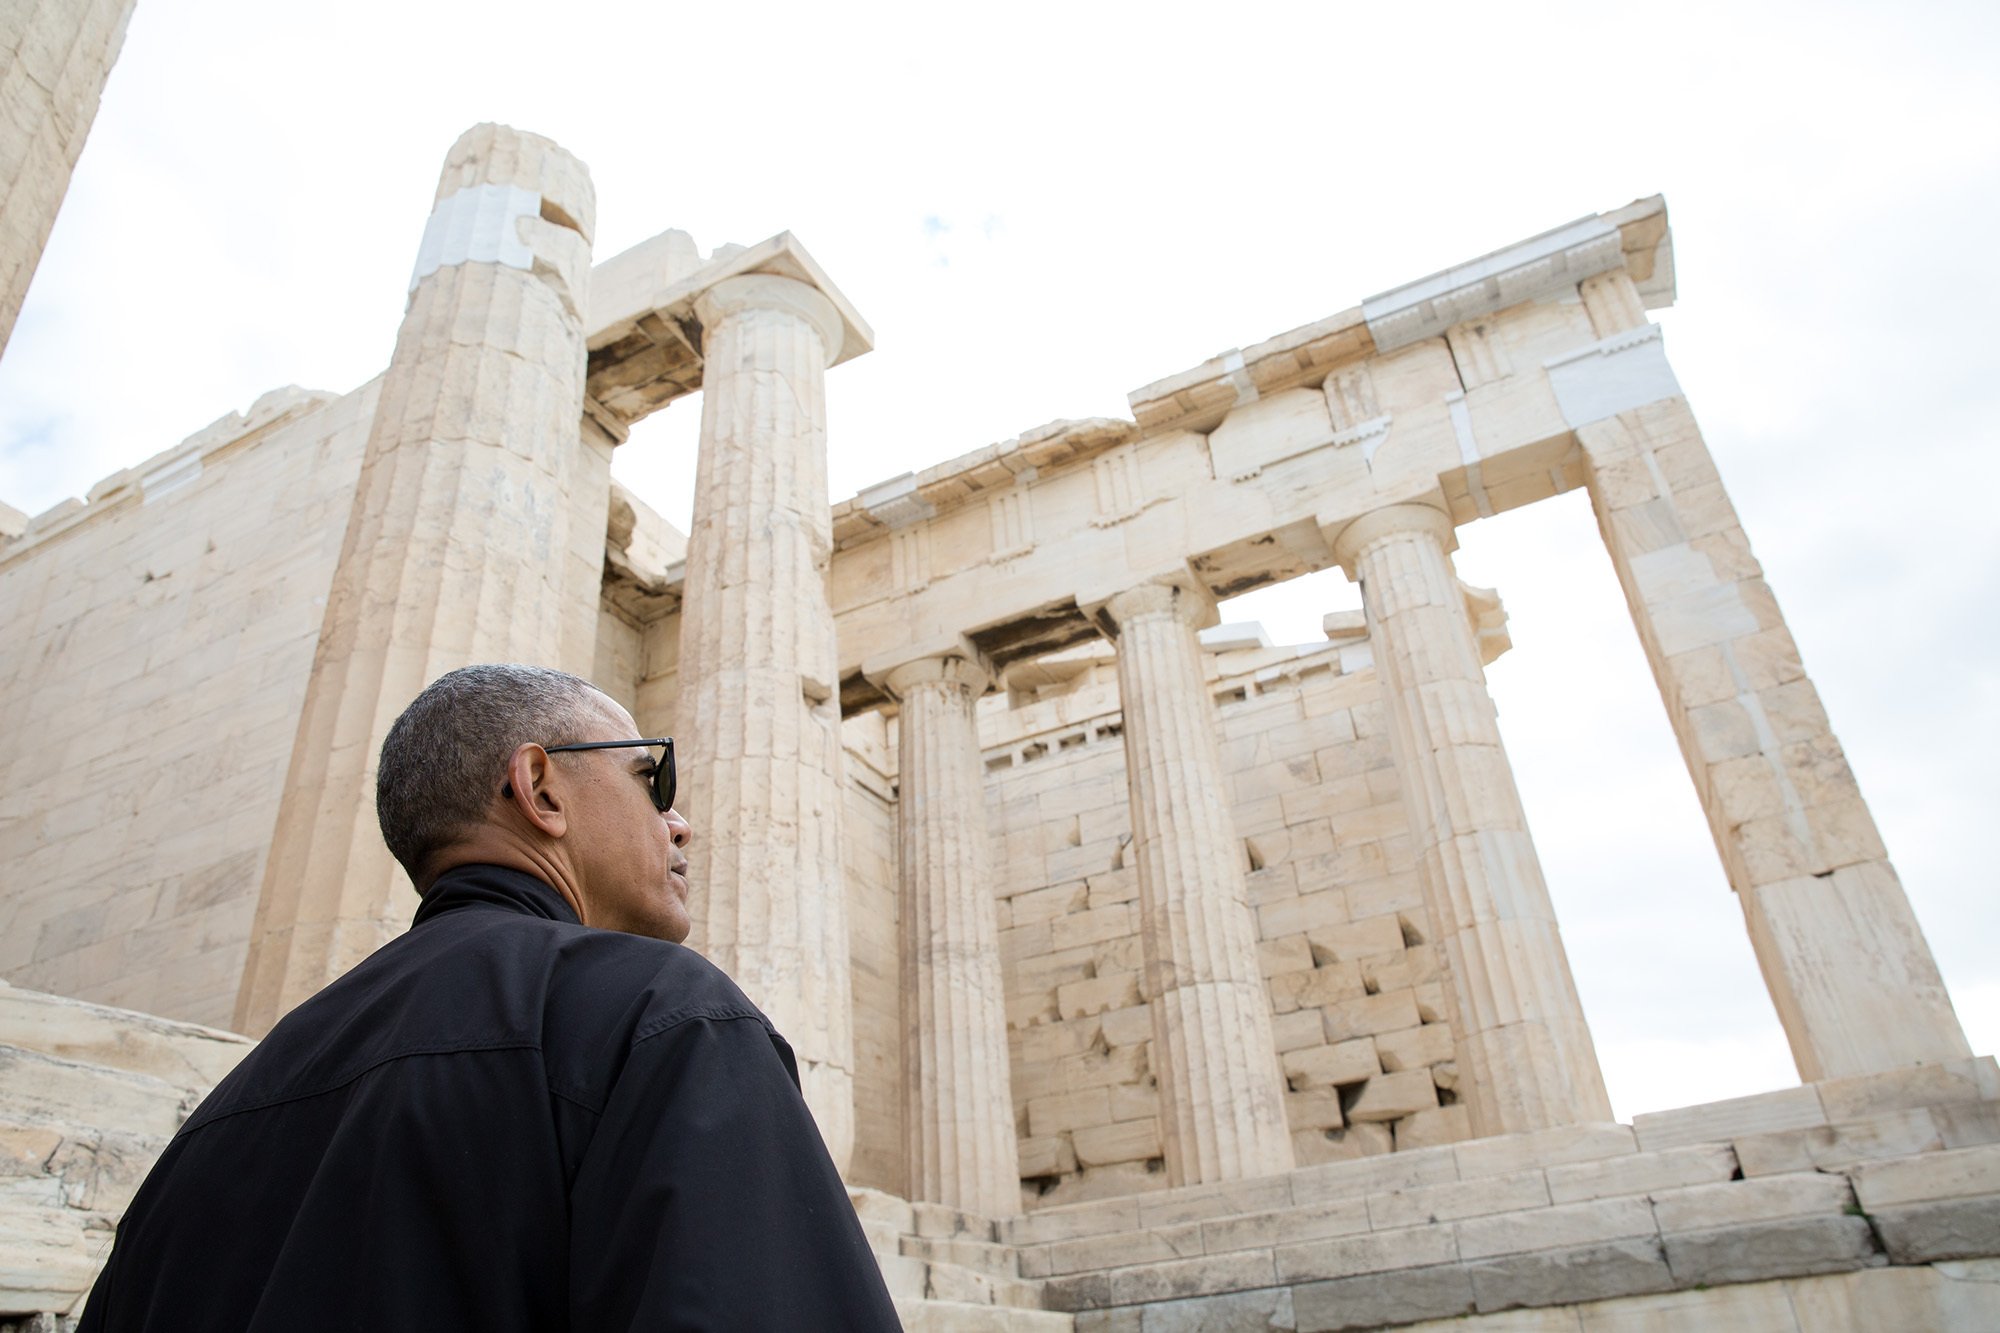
<point x="534" y="1110"/>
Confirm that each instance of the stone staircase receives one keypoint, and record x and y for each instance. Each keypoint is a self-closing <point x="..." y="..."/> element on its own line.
<point x="1872" y="1193"/>
<point x="1838" y="1207"/>
<point x="949" y="1272"/>
<point x="89" y="1097"/>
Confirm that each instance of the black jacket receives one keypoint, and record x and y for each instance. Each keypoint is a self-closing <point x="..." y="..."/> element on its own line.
<point x="502" y="1120"/>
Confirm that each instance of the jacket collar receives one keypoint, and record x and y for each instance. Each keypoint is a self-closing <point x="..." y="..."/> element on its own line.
<point x="492" y="886"/>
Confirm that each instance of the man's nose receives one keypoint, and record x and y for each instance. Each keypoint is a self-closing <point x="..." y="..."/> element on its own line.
<point x="678" y="828"/>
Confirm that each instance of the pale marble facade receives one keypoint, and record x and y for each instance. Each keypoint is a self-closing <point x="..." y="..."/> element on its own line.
<point x="54" y="58"/>
<point x="1140" y="970"/>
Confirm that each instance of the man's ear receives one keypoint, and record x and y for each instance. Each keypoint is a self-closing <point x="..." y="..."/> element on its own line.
<point x="534" y="790"/>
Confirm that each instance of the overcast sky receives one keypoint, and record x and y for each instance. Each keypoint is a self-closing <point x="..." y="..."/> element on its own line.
<point x="1042" y="207"/>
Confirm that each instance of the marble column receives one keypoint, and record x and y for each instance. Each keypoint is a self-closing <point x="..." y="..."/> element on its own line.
<point x="54" y="58"/>
<point x="1525" y="1052"/>
<point x="454" y="545"/>
<point x="1847" y="965"/>
<point x="1222" y="1105"/>
<point x="759" y="700"/>
<point x="958" y="1108"/>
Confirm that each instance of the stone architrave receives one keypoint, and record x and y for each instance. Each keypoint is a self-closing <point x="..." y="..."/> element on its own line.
<point x="959" y="1108"/>
<point x="759" y="700"/>
<point x="469" y="460"/>
<point x="1847" y="965"/>
<point x="1222" y="1106"/>
<point x="56" y="57"/>
<point x="1527" y="1053"/>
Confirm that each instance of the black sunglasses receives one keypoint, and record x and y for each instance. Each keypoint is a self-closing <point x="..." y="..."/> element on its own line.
<point x="664" y="780"/>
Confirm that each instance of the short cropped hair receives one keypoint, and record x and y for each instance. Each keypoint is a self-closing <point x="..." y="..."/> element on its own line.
<point x="446" y="756"/>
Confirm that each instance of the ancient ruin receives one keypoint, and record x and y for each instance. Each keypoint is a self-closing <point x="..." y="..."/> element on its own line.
<point x="1143" y="974"/>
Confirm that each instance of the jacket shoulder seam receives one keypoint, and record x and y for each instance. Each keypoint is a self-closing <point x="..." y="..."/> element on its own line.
<point x="320" y="1090"/>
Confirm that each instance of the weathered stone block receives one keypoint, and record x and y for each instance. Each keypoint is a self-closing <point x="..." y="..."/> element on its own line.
<point x="1569" y="1276"/>
<point x="1391" y="1096"/>
<point x="1508" y="1153"/>
<point x="1080" y="999"/>
<point x="1414" y="1048"/>
<point x="1128" y="1141"/>
<point x="1344" y="1256"/>
<point x="1376" y="1300"/>
<point x="1641" y="1173"/>
<point x="1197" y="1203"/>
<point x="1241" y="1312"/>
<point x="1068" y="1111"/>
<point x="1563" y="1227"/>
<point x="1456" y="1199"/>
<point x="1355" y="1179"/>
<point x="1126" y="1320"/>
<point x="1297" y="1030"/>
<point x="1176" y="1280"/>
<point x="1051" y="1155"/>
<point x="1945" y="1229"/>
<point x="1969" y="1125"/>
<point x="1317" y="987"/>
<point x="1344" y="1063"/>
<point x="1367" y="1015"/>
<point x="1123" y="1249"/>
<point x="1739" y="1202"/>
<point x="1127" y="1027"/>
<point x="937" y="1221"/>
<point x="1430" y="1129"/>
<point x="1789" y="1248"/>
<point x="1342" y="1217"/>
<point x="1956" y="1081"/>
<point x="1314" y="1108"/>
<point x="1287" y="953"/>
<point x="1046" y="1225"/>
<point x="1962" y="1173"/>
<point x="1831" y="1147"/>
<point x="1720" y="1122"/>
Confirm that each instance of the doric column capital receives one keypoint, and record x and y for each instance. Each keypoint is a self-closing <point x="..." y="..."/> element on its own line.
<point x="949" y="669"/>
<point x="950" y="659"/>
<point x="769" y="291"/>
<point x="1351" y="537"/>
<point x="1184" y="599"/>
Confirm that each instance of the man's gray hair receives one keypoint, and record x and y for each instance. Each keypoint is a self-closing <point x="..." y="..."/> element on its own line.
<point x="446" y="757"/>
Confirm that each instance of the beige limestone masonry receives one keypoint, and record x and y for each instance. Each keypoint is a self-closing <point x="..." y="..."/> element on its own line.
<point x="89" y="1097"/>
<point x="1840" y="950"/>
<point x="1365" y="888"/>
<point x="181" y="604"/>
<point x="1523" y="1043"/>
<point x="959" y="1110"/>
<point x="1343" y="938"/>
<point x="471" y="452"/>
<point x="1222" y="1114"/>
<point x="758" y="709"/>
<point x="54" y="58"/>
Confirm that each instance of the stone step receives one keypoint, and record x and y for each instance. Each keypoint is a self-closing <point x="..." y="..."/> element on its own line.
<point x="985" y="1256"/>
<point x="918" y="1279"/>
<point x="955" y="1317"/>
<point x="184" y="1054"/>
<point x="1825" y="1126"/>
<point x="49" y="1255"/>
<point x="1690" y="1200"/>
<point x="49" y="1090"/>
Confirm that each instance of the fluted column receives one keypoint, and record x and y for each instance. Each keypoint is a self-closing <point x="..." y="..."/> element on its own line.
<point x="1526" y="1053"/>
<point x="54" y="58"/>
<point x="959" y="1107"/>
<point x="1847" y="965"/>
<point x="454" y="546"/>
<point x="759" y="705"/>
<point x="1222" y="1104"/>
